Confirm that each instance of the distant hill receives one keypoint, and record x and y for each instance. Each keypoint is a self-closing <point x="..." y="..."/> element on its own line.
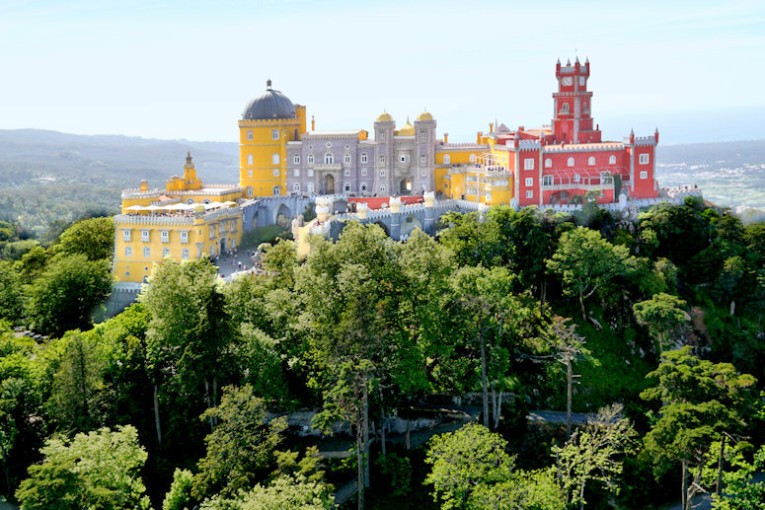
<point x="50" y="177"/>
<point x="47" y="176"/>
<point x="729" y="173"/>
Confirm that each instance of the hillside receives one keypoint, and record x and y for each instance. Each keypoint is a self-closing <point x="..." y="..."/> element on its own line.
<point x="47" y="177"/>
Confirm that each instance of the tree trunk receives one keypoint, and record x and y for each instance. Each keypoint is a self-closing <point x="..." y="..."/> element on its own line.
<point x="359" y="462"/>
<point x="383" y="446"/>
<point x="581" y="495"/>
<point x="569" y="394"/>
<point x="684" y="484"/>
<point x="156" y="414"/>
<point x="408" y="437"/>
<point x="484" y="384"/>
<point x="498" y="415"/>
<point x="208" y="401"/>
<point x="720" y="467"/>
<point x="581" y="304"/>
<point x="365" y="431"/>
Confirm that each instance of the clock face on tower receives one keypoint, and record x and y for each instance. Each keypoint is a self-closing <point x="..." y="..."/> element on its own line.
<point x="568" y="80"/>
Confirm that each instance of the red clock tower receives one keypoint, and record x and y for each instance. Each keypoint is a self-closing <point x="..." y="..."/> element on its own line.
<point x="572" y="122"/>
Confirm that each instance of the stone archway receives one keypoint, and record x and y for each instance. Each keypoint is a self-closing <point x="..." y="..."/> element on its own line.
<point x="283" y="216"/>
<point x="329" y="184"/>
<point x="383" y="226"/>
<point x="405" y="186"/>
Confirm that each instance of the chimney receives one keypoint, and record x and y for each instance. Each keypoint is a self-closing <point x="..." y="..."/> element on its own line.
<point x="313" y="124"/>
<point x="478" y="137"/>
<point x="446" y="137"/>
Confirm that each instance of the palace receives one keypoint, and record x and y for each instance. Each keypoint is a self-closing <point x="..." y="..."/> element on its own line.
<point x="565" y="162"/>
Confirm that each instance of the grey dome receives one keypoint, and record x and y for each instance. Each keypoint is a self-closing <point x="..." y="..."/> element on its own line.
<point x="271" y="105"/>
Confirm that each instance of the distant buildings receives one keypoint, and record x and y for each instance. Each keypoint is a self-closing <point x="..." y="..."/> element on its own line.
<point x="564" y="163"/>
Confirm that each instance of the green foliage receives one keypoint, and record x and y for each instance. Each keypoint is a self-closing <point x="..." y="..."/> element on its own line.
<point x="281" y="260"/>
<point x="66" y="294"/>
<point x="397" y="471"/>
<point x="265" y="234"/>
<point x="11" y="293"/>
<point x="92" y="237"/>
<point x="464" y="459"/>
<point x="284" y="493"/>
<point x="473" y="241"/>
<point x="240" y="447"/>
<point x="526" y="490"/>
<point x="98" y="470"/>
<point x="179" y="495"/>
<point x="665" y="318"/>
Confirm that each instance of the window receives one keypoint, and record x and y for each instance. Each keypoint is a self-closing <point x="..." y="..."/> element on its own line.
<point x="347" y="172"/>
<point x="249" y="159"/>
<point x="612" y="160"/>
<point x="347" y="159"/>
<point x="591" y="161"/>
<point x="296" y="159"/>
<point x="329" y="158"/>
<point x="644" y="174"/>
<point x="189" y="202"/>
<point x="128" y="251"/>
<point x="126" y="235"/>
<point x="423" y="135"/>
<point x="528" y="164"/>
<point x="423" y="160"/>
<point x="249" y="173"/>
<point x="276" y="172"/>
<point x="364" y="157"/>
<point x="382" y="136"/>
<point x="165" y="236"/>
<point x="577" y="178"/>
<point x="364" y="172"/>
<point x="185" y="254"/>
<point x="382" y="172"/>
<point x="472" y="158"/>
<point x="382" y="160"/>
<point x="275" y="159"/>
<point x="447" y="159"/>
<point x="310" y="172"/>
<point x="382" y="187"/>
<point x="296" y="187"/>
<point x="146" y="252"/>
<point x="530" y="193"/>
<point x="644" y="159"/>
<point x="165" y="252"/>
<point x="347" y="186"/>
<point x="249" y="191"/>
<point x="570" y="162"/>
<point x="547" y="180"/>
<point x="296" y="172"/>
<point x="212" y="232"/>
<point x="402" y="158"/>
<point x="144" y="235"/>
<point x="310" y="159"/>
<point x="564" y="109"/>
<point x="529" y="181"/>
<point x="310" y="187"/>
<point x="249" y="135"/>
<point x="277" y="191"/>
<point x="363" y="186"/>
<point x="548" y="163"/>
<point x="275" y="134"/>
<point x="184" y="237"/>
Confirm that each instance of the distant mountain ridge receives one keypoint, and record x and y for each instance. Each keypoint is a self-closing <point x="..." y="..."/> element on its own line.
<point x="48" y="176"/>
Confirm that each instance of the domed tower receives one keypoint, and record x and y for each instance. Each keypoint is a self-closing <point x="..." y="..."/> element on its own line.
<point x="425" y="142"/>
<point x="384" y="129"/>
<point x="267" y="124"/>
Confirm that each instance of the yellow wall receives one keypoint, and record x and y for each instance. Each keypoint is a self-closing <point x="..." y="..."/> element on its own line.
<point x="135" y="266"/>
<point x="260" y="148"/>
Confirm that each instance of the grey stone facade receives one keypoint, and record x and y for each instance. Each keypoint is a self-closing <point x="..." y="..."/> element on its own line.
<point x="343" y="162"/>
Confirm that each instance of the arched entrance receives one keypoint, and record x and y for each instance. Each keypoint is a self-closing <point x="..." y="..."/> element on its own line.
<point x="223" y="246"/>
<point x="329" y="184"/>
<point x="283" y="216"/>
<point x="405" y="187"/>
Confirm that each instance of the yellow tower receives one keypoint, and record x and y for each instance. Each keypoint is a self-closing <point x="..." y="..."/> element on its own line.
<point x="267" y="124"/>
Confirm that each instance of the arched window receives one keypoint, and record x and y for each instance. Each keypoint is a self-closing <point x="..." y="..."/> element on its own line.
<point x="310" y="159"/>
<point x="275" y="159"/>
<point x="347" y="186"/>
<point x="591" y="161"/>
<point x="249" y="191"/>
<point x="570" y="162"/>
<point x="364" y="157"/>
<point x="548" y="163"/>
<point x="612" y="160"/>
<point x="277" y="191"/>
<point x="363" y="186"/>
<point x="447" y="159"/>
<point x="564" y="109"/>
<point x="347" y="159"/>
<point x="296" y="187"/>
<point x="296" y="159"/>
<point x="249" y="159"/>
<point x="329" y="158"/>
<point x="472" y="158"/>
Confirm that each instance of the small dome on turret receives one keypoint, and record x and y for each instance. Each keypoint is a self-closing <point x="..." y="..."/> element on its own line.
<point x="271" y="105"/>
<point x="406" y="130"/>
<point x="424" y="116"/>
<point x="384" y="117"/>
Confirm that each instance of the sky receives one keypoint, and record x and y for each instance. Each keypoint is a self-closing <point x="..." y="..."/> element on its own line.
<point x="187" y="69"/>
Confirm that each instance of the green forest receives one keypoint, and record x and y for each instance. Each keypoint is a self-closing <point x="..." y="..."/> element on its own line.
<point x="652" y="326"/>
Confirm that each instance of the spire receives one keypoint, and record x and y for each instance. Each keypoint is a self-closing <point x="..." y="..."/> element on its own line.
<point x="268" y="84"/>
<point x="188" y="157"/>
